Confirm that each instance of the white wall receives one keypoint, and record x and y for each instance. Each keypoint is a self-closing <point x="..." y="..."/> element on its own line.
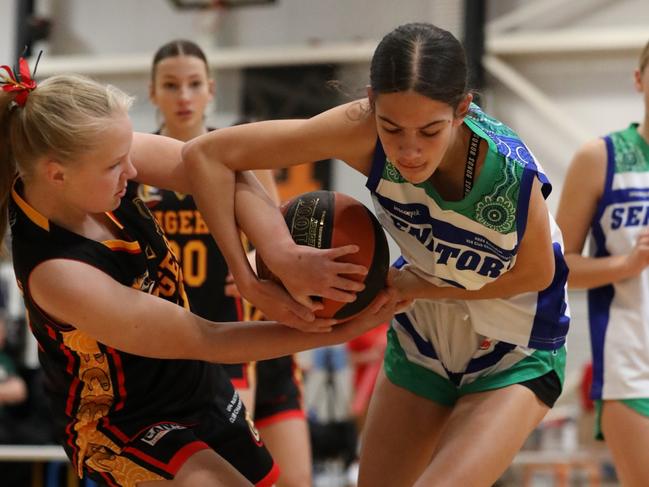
<point x="119" y="26"/>
<point x="7" y="30"/>
<point x="126" y="27"/>
<point x="332" y="20"/>
<point x="594" y="89"/>
<point x="597" y="92"/>
<point x="96" y="26"/>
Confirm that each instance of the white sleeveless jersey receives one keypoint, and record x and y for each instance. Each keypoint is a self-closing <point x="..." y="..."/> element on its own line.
<point x="619" y="312"/>
<point x="472" y="242"/>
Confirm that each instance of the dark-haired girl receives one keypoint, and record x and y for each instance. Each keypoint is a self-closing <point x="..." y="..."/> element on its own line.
<point x="474" y="365"/>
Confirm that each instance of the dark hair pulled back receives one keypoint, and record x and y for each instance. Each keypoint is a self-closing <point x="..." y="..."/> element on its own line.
<point x="422" y="58"/>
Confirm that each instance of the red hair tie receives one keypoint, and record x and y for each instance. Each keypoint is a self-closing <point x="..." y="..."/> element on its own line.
<point x="22" y="83"/>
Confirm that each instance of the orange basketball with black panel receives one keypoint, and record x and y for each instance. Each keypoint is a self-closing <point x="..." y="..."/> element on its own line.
<point x="328" y="219"/>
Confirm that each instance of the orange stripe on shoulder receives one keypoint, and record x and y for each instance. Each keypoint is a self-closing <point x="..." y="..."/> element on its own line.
<point x="31" y="213"/>
<point x="123" y="245"/>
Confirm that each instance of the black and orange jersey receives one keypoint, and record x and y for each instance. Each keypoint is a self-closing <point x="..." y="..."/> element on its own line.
<point x="203" y="266"/>
<point x="101" y="396"/>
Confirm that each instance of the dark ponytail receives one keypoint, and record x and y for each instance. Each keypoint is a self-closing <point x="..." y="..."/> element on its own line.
<point x="422" y="58"/>
<point x="178" y="47"/>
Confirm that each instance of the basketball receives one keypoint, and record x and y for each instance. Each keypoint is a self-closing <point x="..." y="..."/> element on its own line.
<point x="328" y="219"/>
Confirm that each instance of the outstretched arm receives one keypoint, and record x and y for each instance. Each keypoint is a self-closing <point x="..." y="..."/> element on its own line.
<point x="78" y="294"/>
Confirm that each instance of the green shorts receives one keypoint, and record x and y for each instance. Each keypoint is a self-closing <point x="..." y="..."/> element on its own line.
<point x="427" y="383"/>
<point x="640" y="405"/>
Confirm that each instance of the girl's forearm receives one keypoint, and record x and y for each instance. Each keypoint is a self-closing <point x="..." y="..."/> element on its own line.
<point x="592" y="272"/>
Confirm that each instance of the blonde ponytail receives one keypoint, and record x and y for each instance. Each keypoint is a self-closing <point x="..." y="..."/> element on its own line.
<point x="61" y="119"/>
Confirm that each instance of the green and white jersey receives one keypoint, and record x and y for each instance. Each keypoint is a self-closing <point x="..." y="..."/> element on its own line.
<point x="472" y="242"/>
<point x="619" y="312"/>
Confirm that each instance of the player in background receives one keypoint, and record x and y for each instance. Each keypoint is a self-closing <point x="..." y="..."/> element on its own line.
<point x="606" y="196"/>
<point x="181" y="88"/>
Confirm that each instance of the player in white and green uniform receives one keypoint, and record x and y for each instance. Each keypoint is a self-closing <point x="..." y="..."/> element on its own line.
<point x="478" y="359"/>
<point x="619" y="312"/>
<point x="442" y="349"/>
<point x="606" y="197"/>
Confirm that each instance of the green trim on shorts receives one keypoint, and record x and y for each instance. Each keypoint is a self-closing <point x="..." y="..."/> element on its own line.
<point x="426" y="383"/>
<point x="640" y="405"/>
<point x="415" y="378"/>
